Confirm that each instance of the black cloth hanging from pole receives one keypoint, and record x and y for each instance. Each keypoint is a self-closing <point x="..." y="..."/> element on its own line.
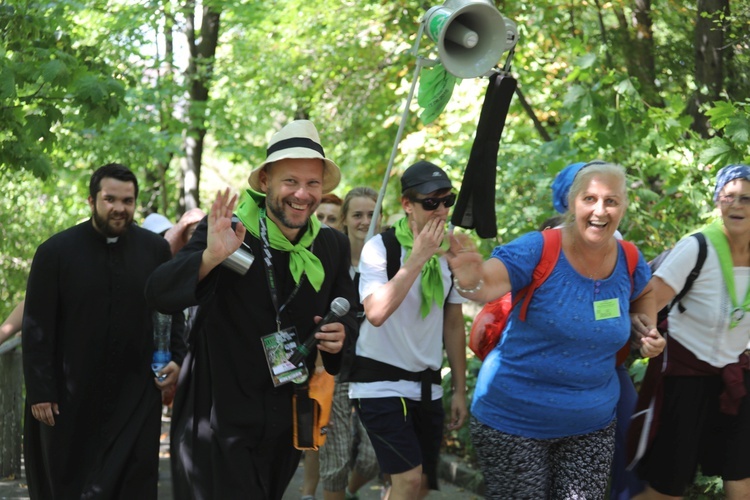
<point x="475" y="207"/>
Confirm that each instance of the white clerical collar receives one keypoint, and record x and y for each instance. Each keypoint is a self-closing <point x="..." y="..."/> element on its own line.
<point x="112" y="240"/>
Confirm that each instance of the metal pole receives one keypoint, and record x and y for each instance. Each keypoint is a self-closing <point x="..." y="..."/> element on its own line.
<point x="421" y="62"/>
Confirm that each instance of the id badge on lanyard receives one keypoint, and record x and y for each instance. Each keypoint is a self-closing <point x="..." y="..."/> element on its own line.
<point x="278" y="347"/>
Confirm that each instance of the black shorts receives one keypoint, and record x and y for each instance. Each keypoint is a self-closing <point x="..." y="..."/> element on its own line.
<point x="692" y="432"/>
<point x="404" y="434"/>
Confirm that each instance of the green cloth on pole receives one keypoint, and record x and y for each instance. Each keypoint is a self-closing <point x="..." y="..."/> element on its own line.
<point x="435" y="90"/>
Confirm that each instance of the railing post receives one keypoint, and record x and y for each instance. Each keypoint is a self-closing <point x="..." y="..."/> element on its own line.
<point x="11" y="408"/>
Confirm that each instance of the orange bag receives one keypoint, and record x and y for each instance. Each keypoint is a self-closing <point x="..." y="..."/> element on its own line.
<point x="311" y="407"/>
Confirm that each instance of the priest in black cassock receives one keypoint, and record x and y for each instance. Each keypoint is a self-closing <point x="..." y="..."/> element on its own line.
<point x="93" y="404"/>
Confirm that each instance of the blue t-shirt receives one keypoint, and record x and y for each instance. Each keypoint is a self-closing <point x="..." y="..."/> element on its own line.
<point x="553" y="375"/>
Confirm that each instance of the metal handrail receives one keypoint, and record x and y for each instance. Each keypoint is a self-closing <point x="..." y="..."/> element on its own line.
<point x="10" y="344"/>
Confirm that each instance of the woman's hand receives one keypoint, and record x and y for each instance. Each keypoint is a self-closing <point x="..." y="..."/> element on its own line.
<point x="465" y="262"/>
<point x="652" y="344"/>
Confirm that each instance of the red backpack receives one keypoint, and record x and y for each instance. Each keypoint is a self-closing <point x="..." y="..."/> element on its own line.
<point x="490" y="322"/>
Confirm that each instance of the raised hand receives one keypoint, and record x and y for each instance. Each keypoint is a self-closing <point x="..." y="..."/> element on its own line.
<point x="221" y="240"/>
<point x="427" y="243"/>
<point x="465" y="261"/>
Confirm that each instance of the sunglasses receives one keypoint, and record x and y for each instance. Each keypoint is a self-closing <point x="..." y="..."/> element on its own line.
<point x="431" y="204"/>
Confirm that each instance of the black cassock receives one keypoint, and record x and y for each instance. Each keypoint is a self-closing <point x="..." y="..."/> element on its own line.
<point x="87" y="345"/>
<point x="231" y="434"/>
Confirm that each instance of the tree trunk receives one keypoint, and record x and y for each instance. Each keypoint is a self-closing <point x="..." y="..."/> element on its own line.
<point x="603" y="31"/>
<point x="639" y="53"/>
<point x="709" y="64"/>
<point x="530" y="112"/>
<point x="154" y="188"/>
<point x="166" y="98"/>
<point x="202" y="46"/>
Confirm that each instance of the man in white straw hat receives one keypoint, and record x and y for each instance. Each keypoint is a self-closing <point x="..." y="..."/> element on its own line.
<point x="232" y="426"/>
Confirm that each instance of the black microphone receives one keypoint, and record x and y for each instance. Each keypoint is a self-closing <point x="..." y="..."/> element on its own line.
<point x="339" y="308"/>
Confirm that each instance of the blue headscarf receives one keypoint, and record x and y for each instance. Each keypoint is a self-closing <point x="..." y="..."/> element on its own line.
<point x="561" y="186"/>
<point x="728" y="174"/>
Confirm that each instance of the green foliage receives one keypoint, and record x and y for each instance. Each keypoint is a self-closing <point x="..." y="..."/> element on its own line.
<point x="733" y="145"/>
<point x="46" y="74"/>
<point x="82" y="84"/>
<point x="637" y="370"/>
<point x="706" y="488"/>
<point x="30" y="212"/>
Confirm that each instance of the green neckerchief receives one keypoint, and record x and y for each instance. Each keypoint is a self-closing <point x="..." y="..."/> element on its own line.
<point x="718" y="239"/>
<point x="301" y="260"/>
<point x="432" y="277"/>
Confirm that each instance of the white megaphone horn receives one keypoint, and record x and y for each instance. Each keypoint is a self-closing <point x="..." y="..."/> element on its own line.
<point x="470" y="36"/>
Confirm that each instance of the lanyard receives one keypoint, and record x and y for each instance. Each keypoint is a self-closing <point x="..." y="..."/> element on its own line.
<point x="263" y="229"/>
<point x="719" y="240"/>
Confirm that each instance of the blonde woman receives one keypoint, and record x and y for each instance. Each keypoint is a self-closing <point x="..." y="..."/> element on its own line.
<point x="347" y="448"/>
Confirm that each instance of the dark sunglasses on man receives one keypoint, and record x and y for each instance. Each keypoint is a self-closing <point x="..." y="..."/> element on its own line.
<point x="431" y="204"/>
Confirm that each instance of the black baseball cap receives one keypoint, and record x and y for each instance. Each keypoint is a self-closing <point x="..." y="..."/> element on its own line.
<point x="425" y="178"/>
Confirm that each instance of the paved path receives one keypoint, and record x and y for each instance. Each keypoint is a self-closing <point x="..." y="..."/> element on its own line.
<point x="371" y="491"/>
<point x="16" y="488"/>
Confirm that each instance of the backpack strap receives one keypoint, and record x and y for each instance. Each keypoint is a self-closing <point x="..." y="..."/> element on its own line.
<point x="392" y="252"/>
<point x="372" y="370"/>
<point x="551" y="245"/>
<point x="631" y="257"/>
<point x="702" y="251"/>
<point x="550" y="253"/>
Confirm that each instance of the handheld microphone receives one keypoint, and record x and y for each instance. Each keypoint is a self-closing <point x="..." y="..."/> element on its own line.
<point x="339" y="308"/>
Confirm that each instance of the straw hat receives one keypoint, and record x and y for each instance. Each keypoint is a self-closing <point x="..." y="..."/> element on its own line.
<point x="298" y="139"/>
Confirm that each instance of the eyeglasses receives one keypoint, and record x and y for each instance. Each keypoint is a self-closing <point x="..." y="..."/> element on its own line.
<point x="729" y="199"/>
<point x="431" y="204"/>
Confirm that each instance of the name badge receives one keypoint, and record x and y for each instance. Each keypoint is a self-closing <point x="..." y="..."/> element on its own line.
<point x="606" y="309"/>
<point x="278" y="347"/>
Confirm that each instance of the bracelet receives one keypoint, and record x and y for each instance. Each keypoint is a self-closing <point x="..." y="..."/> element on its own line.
<point x="467" y="290"/>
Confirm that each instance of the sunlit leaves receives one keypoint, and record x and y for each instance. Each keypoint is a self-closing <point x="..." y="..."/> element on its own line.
<point x="45" y="74"/>
<point x="7" y="82"/>
<point x="55" y="72"/>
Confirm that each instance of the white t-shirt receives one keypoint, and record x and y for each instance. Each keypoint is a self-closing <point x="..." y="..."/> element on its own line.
<point x="405" y="339"/>
<point x="704" y="326"/>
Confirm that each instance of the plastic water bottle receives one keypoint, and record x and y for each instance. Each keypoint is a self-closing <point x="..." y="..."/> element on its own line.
<point x="162" y="355"/>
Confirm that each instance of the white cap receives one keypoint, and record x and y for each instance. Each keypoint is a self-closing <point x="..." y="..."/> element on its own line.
<point x="156" y="223"/>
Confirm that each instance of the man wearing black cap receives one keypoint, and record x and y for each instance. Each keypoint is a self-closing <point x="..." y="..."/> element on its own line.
<point x="232" y="424"/>
<point x="411" y="314"/>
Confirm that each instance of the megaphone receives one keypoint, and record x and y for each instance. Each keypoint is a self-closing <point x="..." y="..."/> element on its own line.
<point x="470" y="36"/>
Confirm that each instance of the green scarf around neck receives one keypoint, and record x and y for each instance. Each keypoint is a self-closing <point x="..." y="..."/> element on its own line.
<point x="715" y="234"/>
<point x="301" y="260"/>
<point x="432" y="277"/>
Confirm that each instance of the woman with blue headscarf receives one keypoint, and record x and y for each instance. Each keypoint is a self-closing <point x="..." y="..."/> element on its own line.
<point x="623" y="483"/>
<point x="704" y="417"/>
<point x="544" y="405"/>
